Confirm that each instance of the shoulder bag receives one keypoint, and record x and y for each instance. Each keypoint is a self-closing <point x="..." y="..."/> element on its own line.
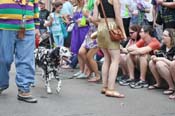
<point x="115" y="34"/>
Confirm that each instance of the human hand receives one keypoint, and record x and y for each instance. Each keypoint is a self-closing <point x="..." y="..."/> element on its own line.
<point x="152" y="57"/>
<point x="37" y="32"/>
<point x="86" y="13"/>
<point x="78" y="20"/>
<point x="46" y="23"/>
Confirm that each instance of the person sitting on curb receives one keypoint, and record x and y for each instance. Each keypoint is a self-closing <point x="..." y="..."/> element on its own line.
<point x="140" y="52"/>
<point x="160" y="62"/>
<point x="134" y="32"/>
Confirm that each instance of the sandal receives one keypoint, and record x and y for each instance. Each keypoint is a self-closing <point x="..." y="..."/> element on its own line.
<point x="113" y="93"/>
<point x="151" y="87"/>
<point x="168" y="92"/>
<point x="94" y="79"/>
<point x="103" y="91"/>
<point x="172" y="96"/>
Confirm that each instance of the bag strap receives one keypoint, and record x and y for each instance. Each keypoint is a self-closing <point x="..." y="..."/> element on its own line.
<point x="104" y="14"/>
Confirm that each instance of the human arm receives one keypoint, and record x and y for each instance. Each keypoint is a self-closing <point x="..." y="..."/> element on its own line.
<point x="94" y="19"/>
<point x="163" y="59"/>
<point x="36" y="17"/>
<point x="140" y="48"/>
<point x="166" y="4"/>
<point x="123" y="50"/>
<point x="138" y="51"/>
<point x="49" y="22"/>
<point x="118" y="18"/>
<point x="133" y="47"/>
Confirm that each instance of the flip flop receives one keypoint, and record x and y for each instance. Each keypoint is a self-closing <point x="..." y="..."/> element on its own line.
<point x="151" y="87"/>
<point x="168" y="92"/>
<point x="172" y="96"/>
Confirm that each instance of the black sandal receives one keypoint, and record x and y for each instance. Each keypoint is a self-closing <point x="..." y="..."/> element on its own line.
<point x="151" y="87"/>
<point x="168" y="92"/>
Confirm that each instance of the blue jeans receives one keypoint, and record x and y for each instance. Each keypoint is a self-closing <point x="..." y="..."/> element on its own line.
<point x="58" y="39"/>
<point x="23" y="51"/>
<point x="74" y="61"/>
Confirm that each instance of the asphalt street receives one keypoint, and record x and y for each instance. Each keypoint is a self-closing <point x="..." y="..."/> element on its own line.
<point x="81" y="98"/>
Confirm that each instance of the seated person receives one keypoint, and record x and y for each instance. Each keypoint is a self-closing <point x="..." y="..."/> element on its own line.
<point x="134" y="32"/>
<point x="86" y="55"/>
<point x="139" y="54"/>
<point x="160" y="62"/>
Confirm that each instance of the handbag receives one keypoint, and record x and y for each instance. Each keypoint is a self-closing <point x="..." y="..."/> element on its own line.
<point x="115" y="34"/>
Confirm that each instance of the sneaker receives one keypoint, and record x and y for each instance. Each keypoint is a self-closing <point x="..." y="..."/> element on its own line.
<point x="126" y="82"/>
<point x="140" y="84"/>
<point x="121" y="78"/>
<point x="81" y="76"/>
<point x="32" y="85"/>
<point x="77" y="74"/>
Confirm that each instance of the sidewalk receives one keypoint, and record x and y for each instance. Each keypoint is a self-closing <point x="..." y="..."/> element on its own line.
<point x="81" y="98"/>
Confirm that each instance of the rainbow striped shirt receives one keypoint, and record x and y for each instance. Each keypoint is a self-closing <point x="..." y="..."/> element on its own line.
<point x="11" y="14"/>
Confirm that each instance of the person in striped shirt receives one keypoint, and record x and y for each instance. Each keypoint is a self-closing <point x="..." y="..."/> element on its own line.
<point x="19" y="24"/>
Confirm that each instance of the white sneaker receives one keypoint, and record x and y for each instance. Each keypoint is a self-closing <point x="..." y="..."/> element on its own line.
<point x="82" y="76"/>
<point x="77" y="74"/>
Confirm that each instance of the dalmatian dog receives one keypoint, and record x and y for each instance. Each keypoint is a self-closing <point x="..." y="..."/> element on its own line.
<point x="49" y="61"/>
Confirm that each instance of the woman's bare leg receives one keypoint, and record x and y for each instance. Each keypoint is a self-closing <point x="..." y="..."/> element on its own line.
<point x="130" y="65"/>
<point x="92" y="63"/>
<point x="164" y="71"/>
<point x="82" y="58"/>
<point x="172" y="70"/>
<point x="153" y="69"/>
<point x="123" y="64"/>
<point x="113" y="68"/>
<point x="105" y="67"/>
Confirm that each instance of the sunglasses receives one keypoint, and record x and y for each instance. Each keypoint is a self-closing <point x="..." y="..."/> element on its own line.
<point x="131" y="32"/>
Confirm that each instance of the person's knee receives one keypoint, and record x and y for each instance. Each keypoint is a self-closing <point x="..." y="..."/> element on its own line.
<point x="172" y="65"/>
<point x="150" y="64"/>
<point x="81" y="52"/>
<point x="160" y="65"/>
